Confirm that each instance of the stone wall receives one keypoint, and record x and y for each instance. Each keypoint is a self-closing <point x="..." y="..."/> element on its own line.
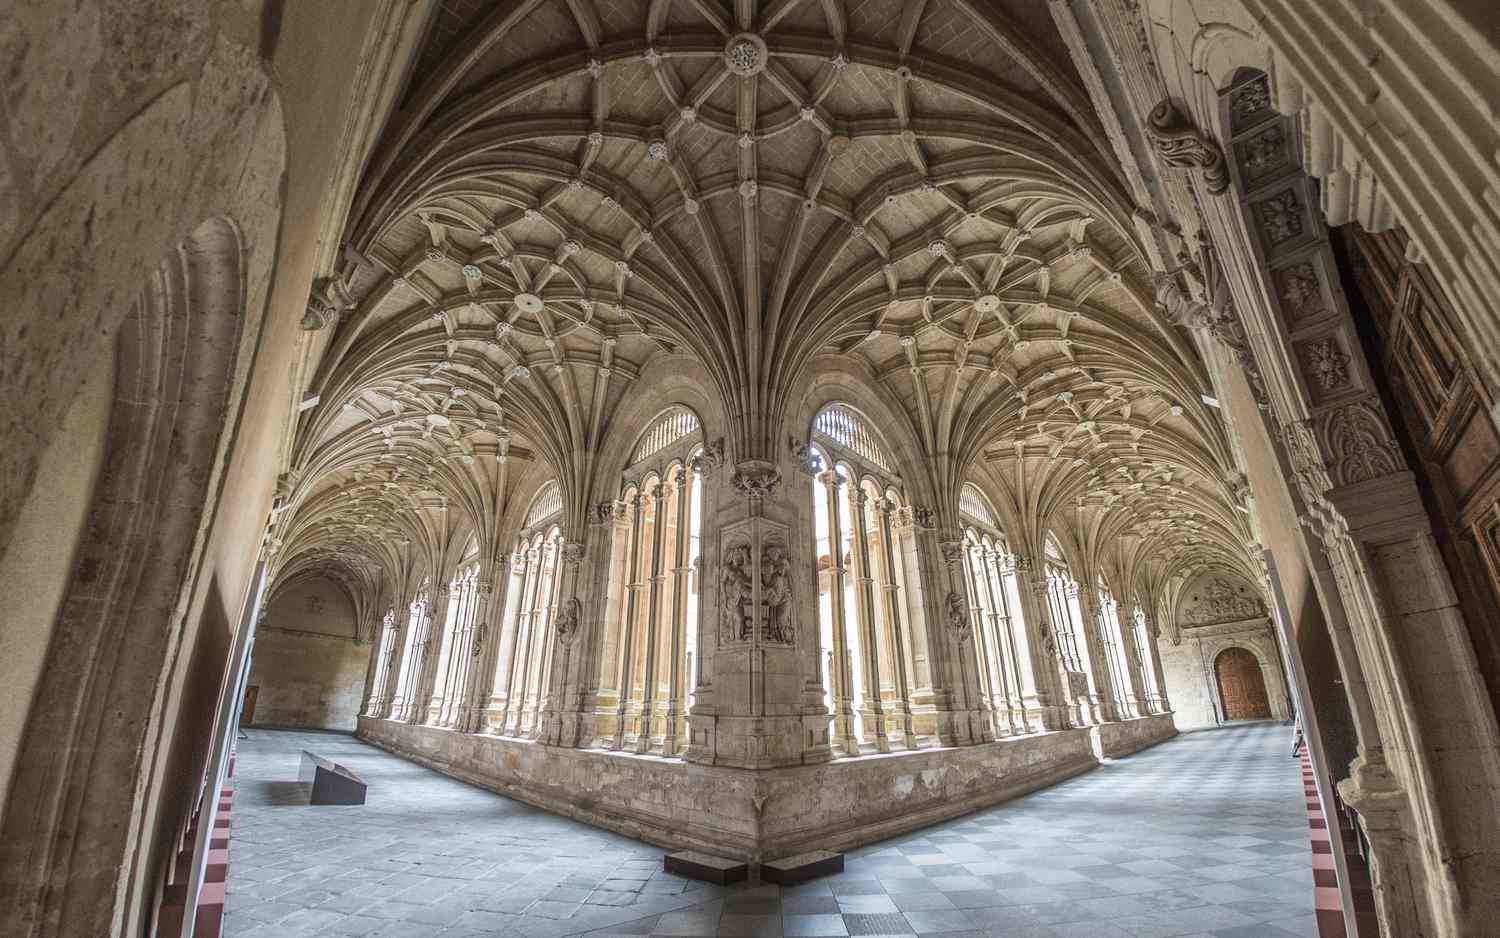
<point x="1188" y="668"/>
<point x="1113" y="740"/>
<point x="307" y="679"/>
<point x="736" y="812"/>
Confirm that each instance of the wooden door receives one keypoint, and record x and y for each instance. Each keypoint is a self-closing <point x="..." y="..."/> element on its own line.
<point x="247" y="711"/>
<point x="1242" y="688"/>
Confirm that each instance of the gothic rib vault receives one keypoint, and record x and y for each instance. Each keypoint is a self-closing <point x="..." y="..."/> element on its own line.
<point x="571" y="196"/>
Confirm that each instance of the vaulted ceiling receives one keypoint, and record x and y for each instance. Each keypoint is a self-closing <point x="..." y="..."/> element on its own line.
<point x="571" y="188"/>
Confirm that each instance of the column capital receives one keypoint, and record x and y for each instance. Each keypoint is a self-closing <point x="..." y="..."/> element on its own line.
<point x="756" y="478"/>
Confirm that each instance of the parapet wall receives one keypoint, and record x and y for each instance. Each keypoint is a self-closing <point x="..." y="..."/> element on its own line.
<point x="757" y="814"/>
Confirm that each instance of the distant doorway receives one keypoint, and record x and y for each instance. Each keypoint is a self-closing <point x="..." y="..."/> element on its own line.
<point x="247" y="711"/>
<point x="1242" y="688"/>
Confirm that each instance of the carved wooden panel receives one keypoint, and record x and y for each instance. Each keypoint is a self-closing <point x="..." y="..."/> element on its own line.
<point x="1242" y="687"/>
<point x="1444" y="408"/>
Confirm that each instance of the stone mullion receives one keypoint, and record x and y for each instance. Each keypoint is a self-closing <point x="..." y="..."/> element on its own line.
<point x="981" y="617"/>
<point x="392" y="680"/>
<point x="458" y="659"/>
<point x="864" y="603"/>
<point x="1005" y="636"/>
<point x="1159" y="699"/>
<point x="887" y="546"/>
<point x="840" y="672"/>
<point x="421" y="689"/>
<point x="520" y="646"/>
<point x="1135" y="696"/>
<point x="447" y="662"/>
<point x="1036" y="670"/>
<point x="968" y="665"/>
<point x="1113" y="668"/>
<point x="1099" y="669"/>
<point x="506" y="636"/>
<point x="653" y="619"/>
<point x="628" y="623"/>
<point x="682" y="569"/>
<point x="480" y="653"/>
<point x="1002" y="693"/>
<point x="541" y="637"/>
<point x="1049" y="593"/>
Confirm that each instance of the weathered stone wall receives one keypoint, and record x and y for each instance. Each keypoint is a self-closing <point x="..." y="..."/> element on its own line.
<point x="1113" y="740"/>
<point x="307" y="679"/>
<point x="836" y="805"/>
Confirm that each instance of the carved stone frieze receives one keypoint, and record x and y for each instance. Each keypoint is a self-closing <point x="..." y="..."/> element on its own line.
<point x="1279" y="217"/>
<point x="1264" y="155"/>
<point x="1301" y="292"/>
<point x="1181" y="146"/>
<point x="803" y="457"/>
<point x="956" y="617"/>
<point x="755" y="478"/>
<point x="776" y="593"/>
<point x="1359" y="443"/>
<point x="710" y="458"/>
<point x="1219" y="600"/>
<point x="1249" y="102"/>
<point x="326" y="302"/>
<point x="1325" y="365"/>
<point x="736" y="592"/>
<point x="568" y="618"/>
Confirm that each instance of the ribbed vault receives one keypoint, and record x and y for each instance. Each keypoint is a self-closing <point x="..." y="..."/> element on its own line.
<point x="570" y="189"/>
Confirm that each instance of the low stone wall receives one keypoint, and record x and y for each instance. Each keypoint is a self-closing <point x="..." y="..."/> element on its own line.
<point x="742" y="813"/>
<point x="1113" y="740"/>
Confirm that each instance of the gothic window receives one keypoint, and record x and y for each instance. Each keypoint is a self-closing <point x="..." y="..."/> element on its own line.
<point x="842" y="428"/>
<point x="864" y="619"/>
<point x="387" y="647"/>
<point x="1112" y="638"/>
<point x="989" y="572"/>
<point x="529" y="619"/>
<point x="413" y="648"/>
<point x="1063" y="610"/>
<point x="669" y="428"/>
<point x="452" y="674"/>
<point x="648" y="668"/>
<point x="548" y="502"/>
<point x="973" y="505"/>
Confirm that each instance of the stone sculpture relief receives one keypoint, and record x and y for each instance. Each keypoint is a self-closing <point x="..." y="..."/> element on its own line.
<point x="1359" y="445"/>
<point x="1326" y="364"/>
<point x="1279" y="217"/>
<point x="1181" y="146"/>
<point x="567" y="620"/>
<point x="1219" y="602"/>
<point x="776" y="594"/>
<point x="736" y="593"/>
<point x="956" y="617"/>
<point x="1301" y="293"/>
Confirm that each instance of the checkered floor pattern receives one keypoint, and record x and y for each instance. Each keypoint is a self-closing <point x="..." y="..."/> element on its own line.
<point x="1203" y="835"/>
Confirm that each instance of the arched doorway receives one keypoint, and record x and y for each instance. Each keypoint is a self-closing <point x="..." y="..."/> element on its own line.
<point x="1242" y="688"/>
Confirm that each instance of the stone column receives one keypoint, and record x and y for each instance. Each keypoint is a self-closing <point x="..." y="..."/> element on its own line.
<point x="681" y="586"/>
<point x="1054" y="640"/>
<point x="900" y="658"/>
<point x="841" y="674"/>
<point x="972" y="720"/>
<point x="507" y="631"/>
<point x="757" y="714"/>
<point x="872" y="712"/>
<point x="479" y="656"/>
<point x="1005" y="703"/>
<point x="658" y="499"/>
<point x="540" y="660"/>
<point x="1160" y="703"/>
<point x="560" y="696"/>
<point x="520" y="645"/>
<point x="628" y="623"/>
<point x="1081" y="599"/>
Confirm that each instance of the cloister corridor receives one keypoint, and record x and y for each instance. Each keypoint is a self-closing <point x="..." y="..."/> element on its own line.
<point x="1204" y="835"/>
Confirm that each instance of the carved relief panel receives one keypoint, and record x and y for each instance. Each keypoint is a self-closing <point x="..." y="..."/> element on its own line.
<point x="756" y="594"/>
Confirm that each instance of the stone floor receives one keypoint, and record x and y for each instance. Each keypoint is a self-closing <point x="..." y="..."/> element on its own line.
<point x="1202" y="835"/>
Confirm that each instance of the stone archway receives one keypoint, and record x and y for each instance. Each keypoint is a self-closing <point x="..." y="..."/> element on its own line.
<point x="86" y="742"/>
<point x="1242" y="686"/>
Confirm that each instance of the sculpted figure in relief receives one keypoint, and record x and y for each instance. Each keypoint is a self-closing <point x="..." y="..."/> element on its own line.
<point x="735" y="594"/>
<point x="776" y="587"/>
